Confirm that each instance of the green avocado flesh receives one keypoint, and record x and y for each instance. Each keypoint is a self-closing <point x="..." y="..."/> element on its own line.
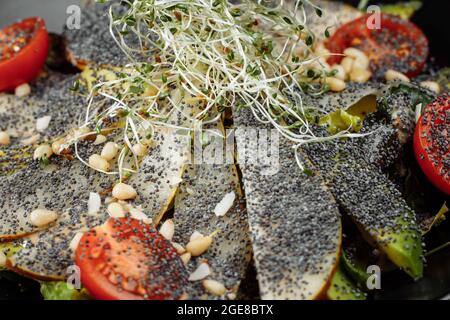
<point x="356" y="269"/>
<point x="342" y="288"/>
<point x="350" y="119"/>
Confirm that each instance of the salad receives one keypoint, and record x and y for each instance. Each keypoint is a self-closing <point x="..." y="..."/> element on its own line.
<point x="214" y="149"/>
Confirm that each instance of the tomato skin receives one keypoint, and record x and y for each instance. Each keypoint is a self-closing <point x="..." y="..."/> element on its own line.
<point x="131" y="252"/>
<point x="425" y="151"/>
<point x="399" y="44"/>
<point x="27" y="63"/>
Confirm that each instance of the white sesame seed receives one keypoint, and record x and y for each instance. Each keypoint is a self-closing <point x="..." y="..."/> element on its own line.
<point x="200" y="273"/>
<point x="42" y="123"/>
<point x="75" y="241"/>
<point x="94" y="203"/>
<point x="225" y="204"/>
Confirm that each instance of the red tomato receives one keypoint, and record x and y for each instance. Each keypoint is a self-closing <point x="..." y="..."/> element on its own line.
<point x="432" y="142"/>
<point x="23" y="50"/>
<point x="398" y="44"/>
<point x="126" y="259"/>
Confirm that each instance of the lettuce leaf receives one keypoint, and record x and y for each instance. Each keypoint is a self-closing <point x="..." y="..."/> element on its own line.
<point x="60" y="290"/>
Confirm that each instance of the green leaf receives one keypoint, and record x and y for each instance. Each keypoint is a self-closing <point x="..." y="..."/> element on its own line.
<point x="438" y="218"/>
<point x="404" y="10"/>
<point x="62" y="291"/>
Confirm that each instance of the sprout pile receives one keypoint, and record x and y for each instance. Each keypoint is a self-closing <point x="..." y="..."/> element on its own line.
<point x="214" y="54"/>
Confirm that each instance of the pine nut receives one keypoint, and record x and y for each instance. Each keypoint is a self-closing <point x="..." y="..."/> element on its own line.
<point x="347" y="64"/>
<point x="214" y="287"/>
<point x="199" y="246"/>
<point x="99" y="139"/>
<point x="361" y="60"/>
<point x="57" y="146"/>
<point x="185" y="257"/>
<point x="109" y="151"/>
<point x="4" y="138"/>
<point x="42" y="123"/>
<point x="140" y="150"/>
<point x="180" y="249"/>
<point x="123" y="191"/>
<point x="42" y="151"/>
<point x="42" y="217"/>
<point x="167" y="229"/>
<point x="392" y="75"/>
<point x="75" y="241"/>
<point x="335" y="84"/>
<point x="116" y="210"/>
<point x="360" y="75"/>
<point x="431" y="85"/>
<point x="340" y="72"/>
<point x="98" y="163"/>
<point x="203" y="270"/>
<point x="22" y="90"/>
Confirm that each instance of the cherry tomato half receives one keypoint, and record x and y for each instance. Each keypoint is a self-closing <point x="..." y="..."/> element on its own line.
<point x="432" y="142"/>
<point x="126" y="259"/>
<point x="23" y="50"/>
<point x="398" y="44"/>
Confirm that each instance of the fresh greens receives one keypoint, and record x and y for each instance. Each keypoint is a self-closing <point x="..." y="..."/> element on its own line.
<point x="404" y="10"/>
<point x="62" y="291"/>
<point x="342" y="288"/>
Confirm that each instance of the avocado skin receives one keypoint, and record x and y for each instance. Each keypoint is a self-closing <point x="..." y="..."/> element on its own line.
<point x="342" y="288"/>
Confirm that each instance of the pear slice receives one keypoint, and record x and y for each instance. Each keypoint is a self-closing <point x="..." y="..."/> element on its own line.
<point x="294" y="221"/>
<point x="58" y="187"/>
<point x="204" y="186"/>
<point x="47" y="254"/>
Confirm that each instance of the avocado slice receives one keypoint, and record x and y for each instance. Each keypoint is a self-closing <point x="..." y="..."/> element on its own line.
<point x="342" y="287"/>
<point x="351" y="118"/>
<point x="371" y="200"/>
<point x="355" y="267"/>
